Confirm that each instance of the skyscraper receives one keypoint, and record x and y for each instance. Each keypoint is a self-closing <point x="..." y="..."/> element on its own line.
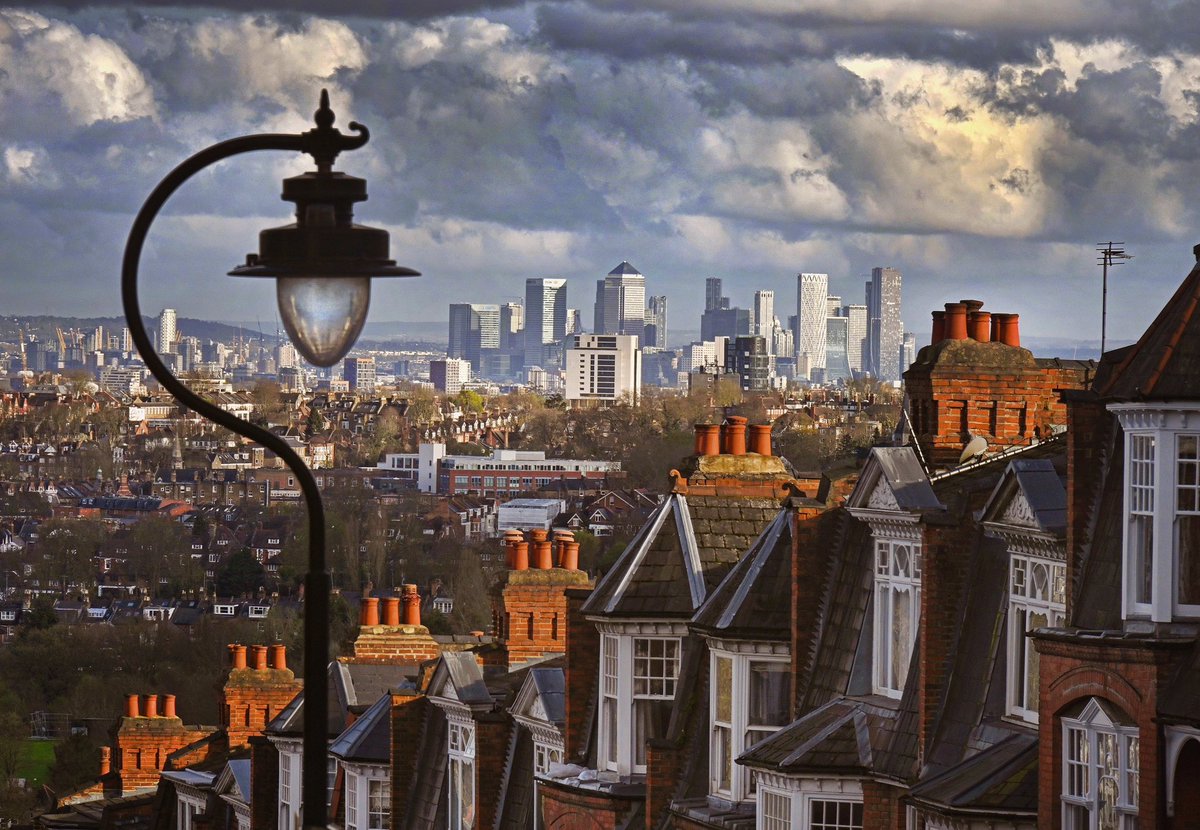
<point x="545" y="319"/>
<point x="885" y="332"/>
<point x="712" y="295"/>
<point x="837" y="364"/>
<point x="166" y="331"/>
<point x="812" y="291"/>
<point x="856" y="334"/>
<point x="598" y="309"/>
<point x="656" y="322"/>
<point x="624" y="301"/>
<point x="512" y="327"/>
<point x="359" y="372"/>
<point x="764" y="314"/>
<point x="474" y="327"/>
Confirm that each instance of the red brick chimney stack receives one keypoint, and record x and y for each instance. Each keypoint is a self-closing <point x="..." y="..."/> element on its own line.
<point x="391" y="611"/>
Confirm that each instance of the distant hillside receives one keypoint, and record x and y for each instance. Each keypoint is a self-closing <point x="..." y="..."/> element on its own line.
<point x="44" y="327"/>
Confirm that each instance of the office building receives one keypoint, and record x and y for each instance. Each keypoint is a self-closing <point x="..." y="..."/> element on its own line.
<point x="724" y="322"/>
<point x="503" y="473"/>
<point x="656" y="323"/>
<point x="909" y="352"/>
<point x="812" y="292"/>
<point x="624" y="301"/>
<point x="764" y="315"/>
<point x="167" y="335"/>
<point x="598" y="309"/>
<point x="856" y="335"/>
<point x="713" y="298"/>
<point x="885" y="332"/>
<point x="512" y="327"/>
<point x="474" y="328"/>
<point x="837" y="363"/>
<point x="545" y="320"/>
<point x="603" y="367"/>
<point x="449" y="375"/>
<point x="747" y="358"/>
<point x="359" y="373"/>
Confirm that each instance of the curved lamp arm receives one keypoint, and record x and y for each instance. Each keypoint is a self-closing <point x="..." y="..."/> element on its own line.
<point x="316" y="580"/>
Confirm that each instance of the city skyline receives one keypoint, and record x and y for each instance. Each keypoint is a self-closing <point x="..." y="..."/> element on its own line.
<point x="985" y="149"/>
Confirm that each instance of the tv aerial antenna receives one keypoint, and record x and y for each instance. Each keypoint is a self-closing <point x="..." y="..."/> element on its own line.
<point x="1109" y="254"/>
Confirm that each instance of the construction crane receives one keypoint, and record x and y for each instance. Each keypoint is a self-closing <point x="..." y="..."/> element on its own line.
<point x="24" y="357"/>
<point x="62" y="342"/>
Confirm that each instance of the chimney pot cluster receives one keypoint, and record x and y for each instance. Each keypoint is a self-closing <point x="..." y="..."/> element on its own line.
<point x="965" y="320"/>
<point x="546" y="551"/>
<point x="263" y="657"/>
<point x="144" y="706"/>
<point x="729" y="438"/>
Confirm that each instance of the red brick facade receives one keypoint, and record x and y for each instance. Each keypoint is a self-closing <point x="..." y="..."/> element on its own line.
<point x="571" y="808"/>
<point x="254" y="694"/>
<point x="583" y="661"/>
<point x="142" y="746"/>
<point x="529" y="611"/>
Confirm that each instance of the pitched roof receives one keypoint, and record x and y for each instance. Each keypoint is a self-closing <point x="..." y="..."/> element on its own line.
<point x="752" y="602"/>
<point x="1000" y="779"/>
<point x="368" y="738"/>
<point x="1030" y="493"/>
<point x="624" y="269"/>
<point x="906" y="484"/>
<point x="1165" y="361"/>
<point x="841" y="736"/>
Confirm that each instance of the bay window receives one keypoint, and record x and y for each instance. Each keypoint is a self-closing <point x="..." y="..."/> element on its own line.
<point x="1099" y="770"/>
<point x="368" y="797"/>
<point x="289" y="785"/>
<point x="1162" y="512"/>
<point x="897" y="612"/>
<point x="809" y="804"/>
<point x="1037" y="599"/>
<point x="637" y="687"/>
<point x="748" y="702"/>
<point x="379" y="804"/>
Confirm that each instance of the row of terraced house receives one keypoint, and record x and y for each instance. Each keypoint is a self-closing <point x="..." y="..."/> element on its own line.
<point x="1009" y="642"/>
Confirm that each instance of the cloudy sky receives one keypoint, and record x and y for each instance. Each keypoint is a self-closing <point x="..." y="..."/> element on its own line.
<point x="982" y="148"/>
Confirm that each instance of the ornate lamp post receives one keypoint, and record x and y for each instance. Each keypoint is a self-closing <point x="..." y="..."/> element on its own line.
<point x="323" y="264"/>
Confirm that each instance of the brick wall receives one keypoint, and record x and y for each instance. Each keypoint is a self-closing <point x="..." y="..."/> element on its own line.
<point x="568" y="808"/>
<point x="1129" y="674"/>
<point x="264" y="784"/>
<point x="664" y="763"/>
<point x="530" y="611"/>
<point x="990" y="389"/>
<point x="402" y="645"/>
<point x="409" y="710"/>
<point x="1089" y="433"/>
<point x="492" y="732"/>
<point x="251" y="698"/>
<point x="881" y="806"/>
<point x="583" y="665"/>
<point x="143" y="744"/>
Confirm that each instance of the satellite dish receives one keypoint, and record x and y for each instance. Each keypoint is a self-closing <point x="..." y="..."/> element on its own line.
<point x="975" y="448"/>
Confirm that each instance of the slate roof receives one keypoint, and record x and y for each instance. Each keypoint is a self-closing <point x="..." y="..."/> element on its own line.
<point x="368" y="738"/>
<point x="350" y="685"/>
<point x="1001" y="779"/>
<point x="680" y="554"/>
<point x="1165" y="362"/>
<point x="906" y="478"/>
<point x="551" y="687"/>
<point x="1097" y="584"/>
<point x="842" y="736"/>
<point x="1043" y="488"/>
<point x="752" y="602"/>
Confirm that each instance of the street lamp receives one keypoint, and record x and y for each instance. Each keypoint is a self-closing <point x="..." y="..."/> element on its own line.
<point x="323" y="264"/>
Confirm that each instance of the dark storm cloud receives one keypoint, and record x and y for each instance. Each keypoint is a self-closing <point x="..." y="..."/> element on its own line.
<point x="383" y="9"/>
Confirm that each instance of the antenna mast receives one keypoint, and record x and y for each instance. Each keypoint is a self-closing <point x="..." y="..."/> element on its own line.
<point x="1110" y="253"/>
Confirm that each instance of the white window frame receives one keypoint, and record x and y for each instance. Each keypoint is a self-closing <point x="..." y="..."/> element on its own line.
<point x="357" y="787"/>
<point x="290" y="765"/>
<point x="379" y="814"/>
<point x="461" y="771"/>
<point x="800" y="795"/>
<point x="1082" y="740"/>
<point x="620" y="750"/>
<point x="1155" y="487"/>
<point x="892" y="578"/>
<point x="741" y="733"/>
<point x="1026" y="597"/>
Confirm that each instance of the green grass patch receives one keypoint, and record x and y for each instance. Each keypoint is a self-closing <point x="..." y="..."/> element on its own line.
<point x="36" y="759"/>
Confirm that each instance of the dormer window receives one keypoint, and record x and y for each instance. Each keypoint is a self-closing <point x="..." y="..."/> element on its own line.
<point x="1162" y="511"/>
<point x="897" y="612"/>
<point x="1100" y="769"/>
<point x="637" y="684"/>
<point x="1037" y="599"/>
<point x="749" y="702"/>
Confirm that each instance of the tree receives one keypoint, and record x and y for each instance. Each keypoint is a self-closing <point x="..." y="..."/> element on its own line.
<point x="13" y="734"/>
<point x="242" y="574"/>
<point x="268" y="403"/>
<point x="65" y="548"/>
<point x="470" y="400"/>
<point x="74" y="763"/>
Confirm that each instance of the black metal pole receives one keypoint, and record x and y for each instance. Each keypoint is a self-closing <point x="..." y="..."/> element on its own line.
<point x="316" y="581"/>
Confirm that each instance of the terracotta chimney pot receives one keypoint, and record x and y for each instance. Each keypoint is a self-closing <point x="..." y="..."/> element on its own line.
<point x="939" y="328"/>
<point x="520" y="556"/>
<point x="568" y="560"/>
<point x="369" y="614"/>
<point x="131" y="706"/>
<point x="105" y="760"/>
<point x="538" y="535"/>
<point x="412" y="605"/>
<point x="956" y="321"/>
<point x="259" y="653"/>
<point x="239" y="656"/>
<point x="543" y="556"/>
<point x="391" y="611"/>
<point x="698" y="435"/>
<point x="476" y="633"/>
<point x="708" y="439"/>
<point x="1010" y="333"/>
<point x="972" y="305"/>
<point x="735" y="435"/>
<point x="979" y="325"/>
<point x="279" y="656"/>
<point x="168" y="706"/>
<point x="760" y="439"/>
<point x="150" y="704"/>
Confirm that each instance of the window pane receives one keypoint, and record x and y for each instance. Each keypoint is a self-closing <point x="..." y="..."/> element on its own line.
<point x="902" y="635"/>
<point x="1141" y="547"/>
<point x="722" y="757"/>
<point x="768" y="693"/>
<point x="1189" y="560"/>
<point x="1032" y="665"/>
<point x="835" y="815"/>
<point x="723" y="683"/>
<point x="650" y="720"/>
